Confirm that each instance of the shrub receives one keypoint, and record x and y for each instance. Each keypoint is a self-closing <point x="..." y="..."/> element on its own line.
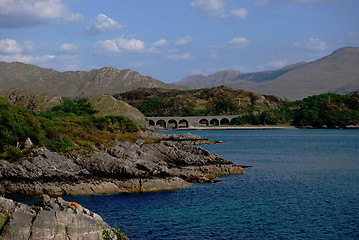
<point x="12" y="153"/>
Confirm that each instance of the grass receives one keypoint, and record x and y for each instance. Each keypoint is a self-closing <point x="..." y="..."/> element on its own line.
<point x="3" y="219"/>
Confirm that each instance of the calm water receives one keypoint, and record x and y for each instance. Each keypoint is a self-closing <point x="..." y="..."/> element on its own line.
<point x="304" y="184"/>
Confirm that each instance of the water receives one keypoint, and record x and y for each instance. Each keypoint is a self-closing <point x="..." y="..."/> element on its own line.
<point x="304" y="184"/>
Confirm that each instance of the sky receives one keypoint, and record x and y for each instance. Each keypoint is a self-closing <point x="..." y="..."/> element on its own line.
<point x="171" y="39"/>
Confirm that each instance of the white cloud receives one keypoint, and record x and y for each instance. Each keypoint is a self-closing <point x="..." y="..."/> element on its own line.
<point x="21" y="13"/>
<point x="120" y="44"/>
<point x="184" y="56"/>
<point x="160" y="42"/>
<point x="239" y="13"/>
<point x="107" y="46"/>
<point x="264" y="3"/>
<point x="102" y="24"/>
<point x="311" y="44"/>
<point x="68" y="47"/>
<point x="239" y="42"/>
<point x="26" y="58"/>
<point x="185" y="40"/>
<point x="9" y="47"/>
<point x="130" y="44"/>
<point x="210" y="8"/>
<point x="11" y="51"/>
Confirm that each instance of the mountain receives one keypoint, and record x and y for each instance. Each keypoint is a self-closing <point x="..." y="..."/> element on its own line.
<point x="107" y="80"/>
<point x="338" y="73"/>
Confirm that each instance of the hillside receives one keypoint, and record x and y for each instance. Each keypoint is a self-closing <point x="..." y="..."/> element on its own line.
<point x="338" y="73"/>
<point x="208" y="101"/>
<point x="106" y="105"/>
<point x="107" y="80"/>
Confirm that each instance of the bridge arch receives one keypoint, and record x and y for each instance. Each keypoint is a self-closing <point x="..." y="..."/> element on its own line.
<point x="214" y="122"/>
<point x="172" y="123"/>
<point x="183" y="123"/>
<point x="203" y="122"/>
<point x="191" y="121"/>
<point x="224" y="121"/>
<point x="161" y="123"/>
<point x="151" y="123"/>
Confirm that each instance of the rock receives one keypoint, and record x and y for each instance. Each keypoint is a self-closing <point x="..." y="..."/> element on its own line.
<point x="184" y="138"/>
<point x="51" y="218"/>
<point x="28" y="143"/>
<point x="125" y="167"/>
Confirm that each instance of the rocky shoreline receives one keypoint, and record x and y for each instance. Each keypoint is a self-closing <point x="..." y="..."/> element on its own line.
<point x="52" y="218"/>
<point x="171" y="163"/>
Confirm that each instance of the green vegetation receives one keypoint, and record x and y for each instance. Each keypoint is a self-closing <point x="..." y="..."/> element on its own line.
<point x="330" y="110"/>
<point x="201" y="102"/>
<point x="325" y="110"/>
<point x="107" y="234"/>
<point x="65" y="127"/>
<point x="3" y="219"/>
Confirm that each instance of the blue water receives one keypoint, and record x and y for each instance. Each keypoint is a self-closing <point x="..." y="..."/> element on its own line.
<point x="304" y="184"/>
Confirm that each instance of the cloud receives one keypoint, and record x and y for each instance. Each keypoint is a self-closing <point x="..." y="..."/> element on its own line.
<point x="239" y="13"/>
<point x="21" y="13"/>
<point x="11" y="51"/>
<point x="184" y="56"/>
<point x="185" y="40"/>
<point x="26" y="58"/>
<point x="160" y="42"/>
<point x="119" y="45"/>
<point x="130" y="44"/>
<point x="265" y="3"/>
<point x="311" y="44"/>
<point x="102" y="24"/>
<point x="9" y="47"/>
<point x="210" y="8"/>
<point x="68" y="48"/>
<point x="239" y="42"/>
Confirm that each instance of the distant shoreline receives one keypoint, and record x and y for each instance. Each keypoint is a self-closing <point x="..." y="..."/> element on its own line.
<point x="248" y="128"/>
<point x="228" y="128"/>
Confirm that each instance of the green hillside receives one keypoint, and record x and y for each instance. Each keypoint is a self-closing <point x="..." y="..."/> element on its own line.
<point x="68" y="126"/>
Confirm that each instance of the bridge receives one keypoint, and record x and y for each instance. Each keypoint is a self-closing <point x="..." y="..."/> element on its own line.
<point x="189" y="122"/>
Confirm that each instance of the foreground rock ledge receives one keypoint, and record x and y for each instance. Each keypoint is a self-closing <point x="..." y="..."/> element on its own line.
<point x="126" y="167"/>
<point x="51" y="218"/>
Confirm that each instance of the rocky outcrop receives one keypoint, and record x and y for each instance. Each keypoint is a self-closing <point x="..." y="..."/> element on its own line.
<point x="125" y="167"/>
<point x="34" y="101"/>
<point x="52" y="218"/>
<point x="184" y="138"/>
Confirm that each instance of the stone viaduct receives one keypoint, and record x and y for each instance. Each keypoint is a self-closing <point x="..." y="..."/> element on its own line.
<point x="189" y="122"/>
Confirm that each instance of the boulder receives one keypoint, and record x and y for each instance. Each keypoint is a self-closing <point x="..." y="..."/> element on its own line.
<point x="51" y="218"/>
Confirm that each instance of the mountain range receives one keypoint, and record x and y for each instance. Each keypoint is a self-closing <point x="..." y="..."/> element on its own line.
<point x="337" y="72"/>
<point x="107" y="80"/>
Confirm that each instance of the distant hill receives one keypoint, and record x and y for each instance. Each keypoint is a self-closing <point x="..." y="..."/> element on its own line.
<point x="207" y="101"/>
<point x="105" y="104"/>
<point x="107" y="80"/>
<point x="338" y="73"/>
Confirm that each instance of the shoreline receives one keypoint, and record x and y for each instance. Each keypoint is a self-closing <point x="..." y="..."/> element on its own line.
<point x="231" y="128"/>
<point x="250" y="128"/>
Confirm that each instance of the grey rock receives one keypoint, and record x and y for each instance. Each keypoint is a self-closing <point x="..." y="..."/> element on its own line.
<point x="125" y="167"/>
<point x="28" y="143"/>
<point x="55" y="219"/>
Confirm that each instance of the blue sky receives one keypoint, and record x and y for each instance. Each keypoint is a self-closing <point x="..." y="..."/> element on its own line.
<point x="171" y="39"/>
